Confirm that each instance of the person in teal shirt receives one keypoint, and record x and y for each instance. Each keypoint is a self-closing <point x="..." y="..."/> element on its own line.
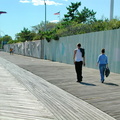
<point x="103" y="63"/>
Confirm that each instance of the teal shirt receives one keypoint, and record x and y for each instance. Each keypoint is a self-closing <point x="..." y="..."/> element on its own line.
<point x="102" y="59"/>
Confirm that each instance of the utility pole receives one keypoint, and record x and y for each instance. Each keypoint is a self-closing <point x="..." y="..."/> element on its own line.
<point x="111" y="9"/>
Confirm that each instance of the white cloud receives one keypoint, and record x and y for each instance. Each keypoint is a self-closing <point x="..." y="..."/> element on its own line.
<point x="54" y="21"/>
<point x="48" y="2"/>
<point x="40" y="2"/>
<point x="24" y="1"/>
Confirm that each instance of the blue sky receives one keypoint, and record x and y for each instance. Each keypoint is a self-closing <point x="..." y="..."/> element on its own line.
<point x="27" y="13"/>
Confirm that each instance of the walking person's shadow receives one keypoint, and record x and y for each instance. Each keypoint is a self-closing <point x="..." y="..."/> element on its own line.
<point x="113" y="84"/>
<point x="89" y="84"/>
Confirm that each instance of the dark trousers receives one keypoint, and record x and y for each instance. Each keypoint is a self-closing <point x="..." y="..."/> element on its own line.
<point x="78" y="68"/>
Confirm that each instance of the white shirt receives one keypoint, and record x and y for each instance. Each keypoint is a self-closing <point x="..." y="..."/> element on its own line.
<point x="78" y="55"/>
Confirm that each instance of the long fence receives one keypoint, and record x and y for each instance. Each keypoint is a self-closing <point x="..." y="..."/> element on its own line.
<point x="62" y="50"/>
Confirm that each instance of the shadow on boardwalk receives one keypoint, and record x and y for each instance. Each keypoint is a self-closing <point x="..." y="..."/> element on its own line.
<point x="89" y="84"/>
<point x="112" y="84"/>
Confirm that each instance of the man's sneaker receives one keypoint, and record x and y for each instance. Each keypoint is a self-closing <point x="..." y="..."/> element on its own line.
<point x="102" y="81"/>
<point x="79" y="81"/>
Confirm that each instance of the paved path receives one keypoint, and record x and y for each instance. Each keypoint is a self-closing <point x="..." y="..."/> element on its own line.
<point x="103" y="96"/>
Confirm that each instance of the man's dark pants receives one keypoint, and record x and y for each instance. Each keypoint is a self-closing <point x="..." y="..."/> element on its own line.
<point x="78" y="68"/>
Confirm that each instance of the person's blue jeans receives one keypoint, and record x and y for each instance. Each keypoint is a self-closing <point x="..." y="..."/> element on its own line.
<point x="102" y="68"/>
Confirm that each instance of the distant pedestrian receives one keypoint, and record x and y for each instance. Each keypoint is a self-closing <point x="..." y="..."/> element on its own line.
<point x="79" y="60"/>
<point x="103" y="63"/>
<point x="11" y="51"/>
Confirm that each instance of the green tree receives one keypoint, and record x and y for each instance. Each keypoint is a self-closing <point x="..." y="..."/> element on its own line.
<point x="42" y="34"/>
<point x="25" y="35"/>
<point x="4" y="40"/>
<point x="41" y="27"/>
<point x="72" y="11"/>
<point x="85" y="16"/>
<point x="39" y="36"/>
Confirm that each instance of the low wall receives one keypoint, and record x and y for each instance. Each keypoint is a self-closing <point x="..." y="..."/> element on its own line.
<point x="30" y="48"/>
<point x="62" y="50"/>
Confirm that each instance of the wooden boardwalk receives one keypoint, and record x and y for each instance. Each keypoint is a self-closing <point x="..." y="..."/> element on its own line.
<point x="17" y="103"/>
<point x="61" y="104"/>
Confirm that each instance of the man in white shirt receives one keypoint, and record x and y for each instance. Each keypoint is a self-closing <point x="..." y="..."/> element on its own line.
<point x="79" y="60"/>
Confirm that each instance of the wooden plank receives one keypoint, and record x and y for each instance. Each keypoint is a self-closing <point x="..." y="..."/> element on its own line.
<point x="17" y="103"/>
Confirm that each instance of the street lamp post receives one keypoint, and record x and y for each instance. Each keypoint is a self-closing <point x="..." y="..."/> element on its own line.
<point x="45" y="14"/>
<point x="2" y="12"/>
<point x="42" y="42"/>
